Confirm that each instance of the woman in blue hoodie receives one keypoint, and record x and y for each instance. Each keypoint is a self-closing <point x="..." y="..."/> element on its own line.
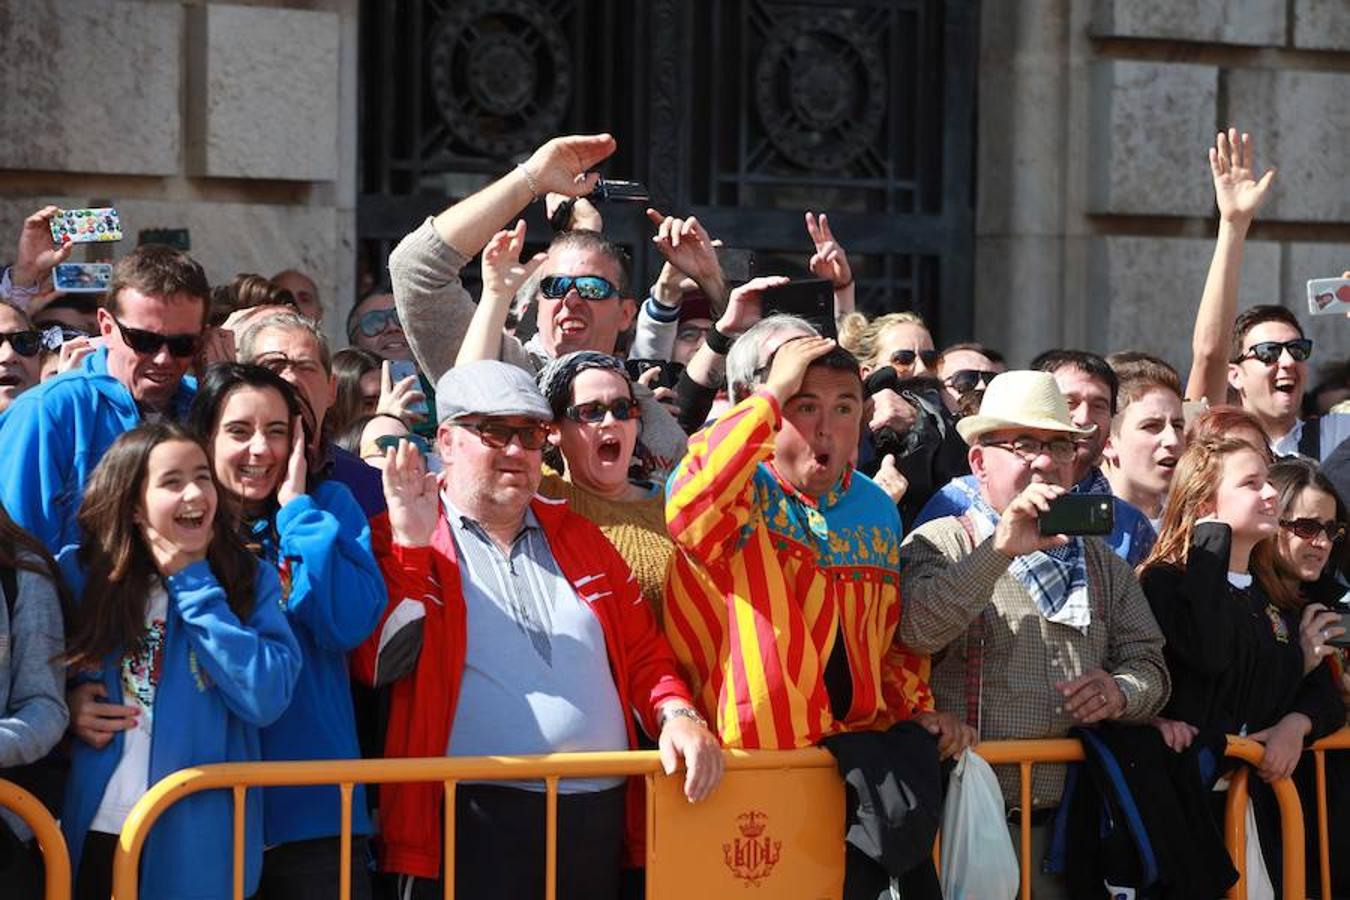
<point x="333" y="595"/>
<point x="180" y="624"/>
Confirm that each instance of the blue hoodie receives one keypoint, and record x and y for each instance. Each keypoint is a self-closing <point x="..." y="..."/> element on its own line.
<point x="221" y="682"/>
<point x="334" y="596"/>
<point x="55" y="434"/>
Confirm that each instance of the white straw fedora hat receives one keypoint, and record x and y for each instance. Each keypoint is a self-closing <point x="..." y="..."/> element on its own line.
<point x="1021" y="399"/>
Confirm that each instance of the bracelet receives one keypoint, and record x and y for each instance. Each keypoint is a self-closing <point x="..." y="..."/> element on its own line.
<point x="718" y="342"/>
<point x="682" y="712"/>
<point x="529" y="180"/>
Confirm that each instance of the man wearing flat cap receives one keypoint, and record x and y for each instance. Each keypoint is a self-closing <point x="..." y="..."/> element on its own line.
<point x="513" y="627"/>
<point x="1030" y="634"/>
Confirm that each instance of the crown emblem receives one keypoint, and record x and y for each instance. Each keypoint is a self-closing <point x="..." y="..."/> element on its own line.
<point x="752" y="855"/>
<point x="752" y="823"/>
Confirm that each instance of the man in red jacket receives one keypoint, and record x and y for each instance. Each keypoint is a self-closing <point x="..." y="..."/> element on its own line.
<point x="514" y="627"/>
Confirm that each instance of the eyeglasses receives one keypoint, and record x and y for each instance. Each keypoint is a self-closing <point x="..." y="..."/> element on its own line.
<point x="594" y="412"/>
<point x="906" y="358"/>
<point x="690" y="333"/>
<point x="386" y="442"/>
<point x="377" y="321"/>
<point x="969" y="380"/>
<point x="589" y="287"/>
<point x="1311" y="528"/>
<point x="25" y="343"/>
<point x="1269" y="352"/>
<point x="1060" y="450"/>
<point x="497" y="435"/>
<point x="278" y="363"/>
<point x="147" y="343"/>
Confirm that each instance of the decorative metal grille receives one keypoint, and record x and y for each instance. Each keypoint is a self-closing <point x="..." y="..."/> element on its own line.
<point x="744" y="112"/>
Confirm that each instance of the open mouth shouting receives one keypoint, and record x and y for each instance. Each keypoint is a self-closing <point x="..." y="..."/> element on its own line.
<point x="609" y="450"/>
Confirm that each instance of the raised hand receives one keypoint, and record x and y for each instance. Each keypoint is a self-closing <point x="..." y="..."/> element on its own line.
<point x="411" y="494"/>
<point x="745" y="304"/>
<point x="686" y="245"/>
<point x="1018" y="533"/>
<point x="293" y="483"/>
<point x="563" y="165"/>
<point x="503" y="272"/>
<point x="790" y="363"/>
<point x="400" y="399"/>
<point x="1236" y="190"/>
<point x="830" y="261"/>
<point x="36" y="255"/>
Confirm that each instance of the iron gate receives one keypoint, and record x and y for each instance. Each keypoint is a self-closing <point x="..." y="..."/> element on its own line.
<point x="744" y="112"/>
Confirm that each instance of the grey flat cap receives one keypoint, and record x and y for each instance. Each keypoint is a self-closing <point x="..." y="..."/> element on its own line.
<point x="489" y="388"/>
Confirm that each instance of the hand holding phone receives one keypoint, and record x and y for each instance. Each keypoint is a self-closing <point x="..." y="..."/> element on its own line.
<point x="1078" y="514"/>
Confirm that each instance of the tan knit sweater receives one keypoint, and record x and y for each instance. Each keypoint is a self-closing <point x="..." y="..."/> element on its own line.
<point x="637" y="529"/>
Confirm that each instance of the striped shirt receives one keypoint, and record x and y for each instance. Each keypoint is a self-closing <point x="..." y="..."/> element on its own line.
<point x="764" y="580"/>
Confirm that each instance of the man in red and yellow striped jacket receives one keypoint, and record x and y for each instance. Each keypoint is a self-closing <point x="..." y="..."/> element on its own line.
<point x="783" y="602"/>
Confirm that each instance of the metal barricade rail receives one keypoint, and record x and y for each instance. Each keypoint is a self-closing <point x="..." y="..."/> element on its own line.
<point x="55" y="855"/>
<point x="239" y="777"/>
<point x="1338" y="741"/>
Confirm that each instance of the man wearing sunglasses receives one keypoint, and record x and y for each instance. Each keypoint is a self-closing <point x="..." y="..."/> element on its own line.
<point x="54" y="435"/>
<point x="583" y="296"/>
<point x="20" y="353"/>
<point x="965" y="370"/>
<point x="374" y="325"/>
<point x="514" y="627"/>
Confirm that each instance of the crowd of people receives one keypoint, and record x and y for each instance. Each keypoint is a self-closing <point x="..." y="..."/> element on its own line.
<point x="222" y="541"/>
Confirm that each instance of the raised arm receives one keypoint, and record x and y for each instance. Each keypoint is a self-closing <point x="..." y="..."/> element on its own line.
<point x="503" y="274"/>
<point x="831" y="262"/>
<point x="1238" y="195"/>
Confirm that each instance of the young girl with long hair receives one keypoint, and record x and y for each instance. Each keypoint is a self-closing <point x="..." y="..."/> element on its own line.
<point x="333" y="595"/>
<point x="176" y="620"/>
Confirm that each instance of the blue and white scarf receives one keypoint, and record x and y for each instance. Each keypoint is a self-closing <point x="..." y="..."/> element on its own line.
<point x="1056" y="578"/>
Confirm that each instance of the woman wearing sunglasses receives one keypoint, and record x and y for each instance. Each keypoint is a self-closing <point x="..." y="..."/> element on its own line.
<point x="333" y="595"/>
<point x="900" y="340"/>
<point x="598" y="424"/>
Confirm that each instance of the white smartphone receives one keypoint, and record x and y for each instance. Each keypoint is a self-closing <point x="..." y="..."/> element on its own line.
<point x="1329" y="296"/>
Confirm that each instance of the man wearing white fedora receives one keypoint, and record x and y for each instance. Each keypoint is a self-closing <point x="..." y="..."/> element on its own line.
<point x="1040" y="633"/>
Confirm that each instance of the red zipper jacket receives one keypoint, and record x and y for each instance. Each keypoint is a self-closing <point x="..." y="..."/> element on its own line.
<point x="419" y="648"/>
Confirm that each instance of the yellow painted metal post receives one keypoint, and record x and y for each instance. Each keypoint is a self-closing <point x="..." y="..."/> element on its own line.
<point x="1323" y="843"/>
<point x="240" y="810"/>
<point x="551" y="837"/>
<point x="345" y="853"/>
<point x="448" y="864"/>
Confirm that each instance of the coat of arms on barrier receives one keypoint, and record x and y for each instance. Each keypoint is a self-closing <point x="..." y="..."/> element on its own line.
<point x="752" y="855"/>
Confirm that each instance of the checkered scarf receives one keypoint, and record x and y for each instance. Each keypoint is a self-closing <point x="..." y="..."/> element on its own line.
<point x="1056" y="578"/>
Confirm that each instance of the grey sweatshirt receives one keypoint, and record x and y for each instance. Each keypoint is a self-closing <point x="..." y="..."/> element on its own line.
<point x="435" y="310"/>
<point x="33" y="713"/>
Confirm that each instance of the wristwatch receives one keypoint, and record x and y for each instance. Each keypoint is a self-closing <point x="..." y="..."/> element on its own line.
<point x="683" y="712"/>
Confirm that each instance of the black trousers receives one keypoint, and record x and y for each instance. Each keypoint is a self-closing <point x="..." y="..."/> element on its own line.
<point x="93" y="881"/>
<point x="311" y="870"/>
<point x="500" y="835"/>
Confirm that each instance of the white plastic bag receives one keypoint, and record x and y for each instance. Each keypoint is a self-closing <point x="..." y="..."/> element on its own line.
<point x="1258" y="879"/>
<point x="978" y="861"/>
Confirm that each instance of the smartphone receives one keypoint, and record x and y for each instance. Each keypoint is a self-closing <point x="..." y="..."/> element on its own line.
<point x="1329" y="296"/>
<point x="737" y="265"/>
<point x="670" y="371"/>
<point x="607" y="191"/>
<point x="400" y="369"/>
<point x="82" y="278"/>
<point x="1076" y="514"/>
<point x="86" y="226"/>
<point x="812" y="299"/>
<point x="1342" y="640"/>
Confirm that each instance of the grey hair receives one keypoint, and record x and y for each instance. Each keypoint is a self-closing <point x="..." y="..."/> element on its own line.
<point x="284" y="321"/>
<point x="747" y="355"/>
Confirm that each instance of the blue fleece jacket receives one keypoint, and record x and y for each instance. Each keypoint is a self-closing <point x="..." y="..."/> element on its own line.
<point x="221" y="681"/>
<point x="54" y="435"/>
<point x="334" y="595"/>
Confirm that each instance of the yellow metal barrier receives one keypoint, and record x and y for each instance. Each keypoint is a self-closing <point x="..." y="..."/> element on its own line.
<point x="55" y="856"/>
<point x="811" y="820"/>
<point x="1338" y="741"/>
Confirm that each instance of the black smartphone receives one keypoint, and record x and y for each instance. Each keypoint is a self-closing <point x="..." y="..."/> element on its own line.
<point x="607" y="191"/>
<point x="1341" y="640"/>
<point x="812" y="299"/>
<point x="670" y="371"/>
<point x="1076" y="514"/>
<point x="738" y="265"/>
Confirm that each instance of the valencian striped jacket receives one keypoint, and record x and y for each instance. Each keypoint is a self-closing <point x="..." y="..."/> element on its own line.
<point x="763" y="579"/>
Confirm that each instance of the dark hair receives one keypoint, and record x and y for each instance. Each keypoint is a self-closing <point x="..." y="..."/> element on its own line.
<point x="1290" y="477"/>
<point x="350" y="365"/>
<point x="1256" y="315"/>
<point x="349" y="438"/>
<point x="20" y="550"/>
<point x="159" y="271"/>
<point x="246" y="291"/>
<point x="992" y="355"/>
<point x="1138" y="373"/>
<point x="119" y="565"/>
<point x="219" y="381"/>
<point x="352" y="314"/>
<point x="1053" y="360"/>
<point x="594" y="241"/>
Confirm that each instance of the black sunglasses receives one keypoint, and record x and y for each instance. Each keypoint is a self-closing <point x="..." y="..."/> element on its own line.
<point x="589" y="287"/>
<point x="497" y="435"/>
<point x="25" y="343"/>
<point x="387" y="442"/>
<point x="1311" y="528"/>
<point x="378" y="320"/>
<point x="594" y="412"/>
<point x="1268" y="352"/>
<point x="147" y="343"/>
<point x="906" y="357"/>
<point x="969" y="379"/>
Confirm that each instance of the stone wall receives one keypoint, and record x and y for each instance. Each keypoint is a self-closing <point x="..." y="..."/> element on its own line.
<point x="237" y="122"/>
<point x="1096" y="215"/>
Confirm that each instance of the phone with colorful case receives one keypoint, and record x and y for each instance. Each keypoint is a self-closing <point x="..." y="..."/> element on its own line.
<point x="86" y="226"/>
<point x="1329" y="296"/>
<point x="82" y="278"/>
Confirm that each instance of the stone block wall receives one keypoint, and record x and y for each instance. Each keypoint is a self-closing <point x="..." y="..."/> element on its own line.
<point x="1102" y="238"/>
<point x="237" y="122"/>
